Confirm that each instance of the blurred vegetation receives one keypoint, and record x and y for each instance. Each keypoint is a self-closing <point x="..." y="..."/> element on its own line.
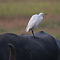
<point x="50" y="24"/>
<point x="27" y="8"/>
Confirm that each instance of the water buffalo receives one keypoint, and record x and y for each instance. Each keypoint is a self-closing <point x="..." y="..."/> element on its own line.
<point x="44" y="46"/>
<point x="4" y="50"/>
<point x="58" y="43"/>
<point x="7" y="49"/>
<point x="7" y="43"/>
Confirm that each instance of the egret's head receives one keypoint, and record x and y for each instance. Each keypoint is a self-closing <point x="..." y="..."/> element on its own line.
<point x="41" y="14"/>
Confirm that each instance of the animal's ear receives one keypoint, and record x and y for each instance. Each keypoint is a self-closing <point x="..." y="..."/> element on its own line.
<point x="12" y="53"/>
<point x="10" y="45"/>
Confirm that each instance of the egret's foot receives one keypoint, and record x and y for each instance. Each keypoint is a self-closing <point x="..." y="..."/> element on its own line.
<point x="35" y="37"/>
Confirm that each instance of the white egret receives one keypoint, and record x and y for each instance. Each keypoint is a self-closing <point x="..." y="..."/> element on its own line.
<point x="35" y="20"/>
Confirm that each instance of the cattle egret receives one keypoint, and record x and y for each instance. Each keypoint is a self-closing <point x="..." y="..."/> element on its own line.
<point x="35" y="20"/>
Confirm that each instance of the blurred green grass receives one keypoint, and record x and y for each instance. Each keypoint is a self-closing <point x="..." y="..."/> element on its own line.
<point x="28" y="8"/>
<point x="50" y="24"/>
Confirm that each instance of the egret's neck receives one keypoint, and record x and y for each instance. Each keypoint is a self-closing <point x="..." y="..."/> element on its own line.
<point x="40" y="15"/>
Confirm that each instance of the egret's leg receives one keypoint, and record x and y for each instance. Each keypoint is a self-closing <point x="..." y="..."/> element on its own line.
<point x="33" y="33"/>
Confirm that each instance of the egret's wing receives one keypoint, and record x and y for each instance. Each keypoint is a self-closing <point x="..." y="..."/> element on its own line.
<point x="32" y="19"/>
<point x="32" y="22"/>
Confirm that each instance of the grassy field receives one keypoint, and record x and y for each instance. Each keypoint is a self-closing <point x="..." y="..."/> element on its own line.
<point x="28" y="8"/>
<point x="14" y="16"/>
